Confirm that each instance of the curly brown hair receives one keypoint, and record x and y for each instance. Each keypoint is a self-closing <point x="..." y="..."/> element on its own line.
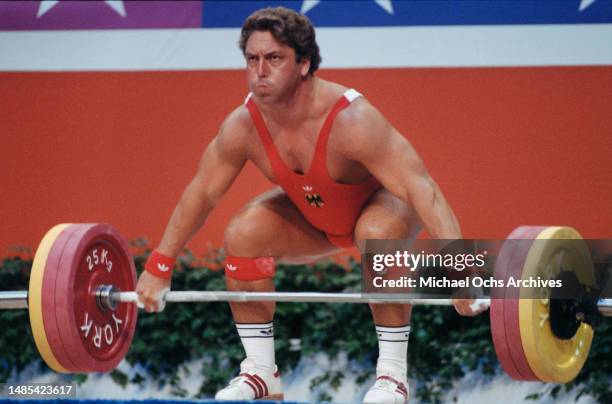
<point x="288" y="27"/>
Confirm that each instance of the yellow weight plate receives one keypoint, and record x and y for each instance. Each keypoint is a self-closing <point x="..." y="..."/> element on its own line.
<point x="553" y="359"/>
<point x="35" y="297"/>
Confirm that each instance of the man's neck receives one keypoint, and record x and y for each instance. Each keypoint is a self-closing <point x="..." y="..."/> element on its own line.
<point x="296" y="107"/>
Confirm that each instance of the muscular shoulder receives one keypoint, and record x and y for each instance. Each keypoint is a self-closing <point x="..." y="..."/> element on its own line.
<point x="233" y="136"/>
<point x="360" y="128"/>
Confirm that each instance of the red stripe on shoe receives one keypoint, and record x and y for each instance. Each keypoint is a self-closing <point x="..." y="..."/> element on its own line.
<point x="402" y="392"/>
<point x="253" y="383"/>
<point x="265" y="386"/>
<point x="390" y="379"/>
<point x="255" y="390"/>
<point x="399" y="384"/>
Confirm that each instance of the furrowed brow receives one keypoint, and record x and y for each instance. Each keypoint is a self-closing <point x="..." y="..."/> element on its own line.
<point x="267" y="54"/>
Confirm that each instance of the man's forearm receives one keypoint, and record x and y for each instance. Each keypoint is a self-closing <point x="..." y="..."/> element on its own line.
<point x="188" y="217"/>
<point x="437" y="216"/>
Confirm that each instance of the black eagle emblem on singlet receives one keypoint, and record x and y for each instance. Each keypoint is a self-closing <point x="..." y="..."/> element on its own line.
<point x="313" y="198"/>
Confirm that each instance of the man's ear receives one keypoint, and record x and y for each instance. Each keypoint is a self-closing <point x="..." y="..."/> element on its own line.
<point x="305" y="68"/>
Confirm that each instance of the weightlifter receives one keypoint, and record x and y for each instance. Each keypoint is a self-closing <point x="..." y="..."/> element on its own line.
<point x="344" y="175"/>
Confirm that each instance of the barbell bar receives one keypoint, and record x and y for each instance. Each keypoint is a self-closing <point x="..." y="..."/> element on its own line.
<point x="108" y="297"/>
<point x="16" y="299"/>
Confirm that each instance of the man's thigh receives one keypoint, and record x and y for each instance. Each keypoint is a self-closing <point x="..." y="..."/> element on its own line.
<point x="271" y="225"/>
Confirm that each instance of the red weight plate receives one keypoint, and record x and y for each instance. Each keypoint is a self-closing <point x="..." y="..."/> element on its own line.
<point x="498" y="305"/>
<point x="96" y="340"/>
<point x="52" y="329"/>
<point x="511" y="303"/>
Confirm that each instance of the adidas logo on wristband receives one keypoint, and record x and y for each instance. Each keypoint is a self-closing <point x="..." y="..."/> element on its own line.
<point x="160" y="265"/>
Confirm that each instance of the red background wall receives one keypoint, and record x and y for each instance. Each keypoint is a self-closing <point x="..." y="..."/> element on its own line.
<point x="507" y="146"/>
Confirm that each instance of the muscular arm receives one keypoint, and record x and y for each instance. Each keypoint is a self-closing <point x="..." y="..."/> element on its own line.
<point x="219" y="166"/>
<point x="393" y="161"/>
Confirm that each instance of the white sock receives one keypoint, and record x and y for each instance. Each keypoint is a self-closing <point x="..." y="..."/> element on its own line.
<point x="393" y="349"/>
<point x="258" y="342"/>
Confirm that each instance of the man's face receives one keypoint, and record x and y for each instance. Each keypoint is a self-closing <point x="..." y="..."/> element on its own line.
<point x="272" y="71"/>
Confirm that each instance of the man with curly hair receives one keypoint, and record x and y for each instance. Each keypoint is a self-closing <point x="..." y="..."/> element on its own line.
<point x="344" y="174"/>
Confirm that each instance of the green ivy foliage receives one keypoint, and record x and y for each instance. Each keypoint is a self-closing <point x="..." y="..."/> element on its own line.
<point x="443" y="345"/>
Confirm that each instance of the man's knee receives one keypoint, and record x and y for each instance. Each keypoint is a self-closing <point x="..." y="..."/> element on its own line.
<point x="248" y="247"/>
<point x="381" y="230"/>
<point x="245" y="235"/>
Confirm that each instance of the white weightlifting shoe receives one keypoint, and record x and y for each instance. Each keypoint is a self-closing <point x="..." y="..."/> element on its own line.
<point x="388" y="389"/>
<point x="253" y="384"/>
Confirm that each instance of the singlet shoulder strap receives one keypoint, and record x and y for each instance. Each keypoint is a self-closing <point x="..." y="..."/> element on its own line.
<point x="352" y="94"/>
<point x="258" y="121"/>
<point x="320" y="158"/>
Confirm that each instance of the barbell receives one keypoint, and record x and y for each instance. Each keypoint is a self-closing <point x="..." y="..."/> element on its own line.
<point x="83" y="309"/>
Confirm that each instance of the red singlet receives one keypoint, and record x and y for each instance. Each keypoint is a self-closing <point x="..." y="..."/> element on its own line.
<point x="328" y="205"/>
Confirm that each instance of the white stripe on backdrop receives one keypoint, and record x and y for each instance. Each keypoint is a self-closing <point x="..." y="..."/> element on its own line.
<point x="213" y="49"/>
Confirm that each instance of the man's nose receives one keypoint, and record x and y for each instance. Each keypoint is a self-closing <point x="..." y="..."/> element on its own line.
<point x="262" y="68"/>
